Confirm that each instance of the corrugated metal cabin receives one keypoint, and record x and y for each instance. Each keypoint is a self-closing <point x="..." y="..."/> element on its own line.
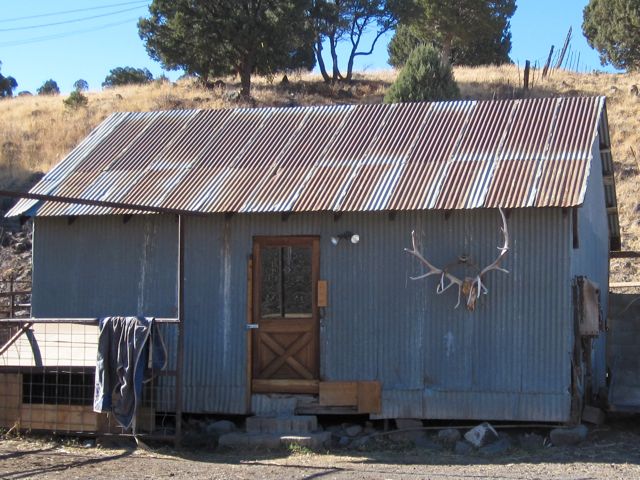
<point x="278" y="299"/>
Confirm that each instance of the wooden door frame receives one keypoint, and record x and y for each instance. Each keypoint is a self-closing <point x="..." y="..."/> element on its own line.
<point x="294" y="385"/>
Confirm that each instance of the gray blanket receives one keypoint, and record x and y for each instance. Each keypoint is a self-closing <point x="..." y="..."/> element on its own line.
<point x="122" y="365"/>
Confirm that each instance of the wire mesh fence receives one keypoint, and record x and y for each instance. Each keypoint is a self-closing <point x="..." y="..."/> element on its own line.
<point x="47" y="381"/>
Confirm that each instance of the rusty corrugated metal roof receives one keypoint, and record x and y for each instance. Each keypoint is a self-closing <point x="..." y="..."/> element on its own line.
<point x="443" y="155"/>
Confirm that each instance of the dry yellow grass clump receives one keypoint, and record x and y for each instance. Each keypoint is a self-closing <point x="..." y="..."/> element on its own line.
<point x="36" y="132"/>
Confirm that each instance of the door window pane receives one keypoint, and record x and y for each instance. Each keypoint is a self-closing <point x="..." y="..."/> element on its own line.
<point x="286" y="282"/>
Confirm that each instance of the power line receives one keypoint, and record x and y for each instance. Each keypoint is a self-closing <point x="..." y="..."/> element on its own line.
<point x="64" y="22"/>
<point x="16" y="43"/>
<point x="53" y="14"/>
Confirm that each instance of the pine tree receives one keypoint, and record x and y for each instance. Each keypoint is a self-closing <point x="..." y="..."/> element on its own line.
<point x="612" y="27"/>
<point x="469" y="32"/>
<point x="425" y="77"/>
<point x="221" y="37"/>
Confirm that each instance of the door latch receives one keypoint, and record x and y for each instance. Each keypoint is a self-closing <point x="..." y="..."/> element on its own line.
<point x="251" y="326"/>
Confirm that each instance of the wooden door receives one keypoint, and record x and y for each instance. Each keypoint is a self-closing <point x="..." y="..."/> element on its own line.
<point x="285" y="352"/>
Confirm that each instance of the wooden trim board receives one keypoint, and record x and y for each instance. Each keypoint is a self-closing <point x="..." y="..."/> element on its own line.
<point x="365" y="396"/>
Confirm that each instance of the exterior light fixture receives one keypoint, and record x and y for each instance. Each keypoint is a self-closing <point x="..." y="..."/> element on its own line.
<point x="352" y="237"/>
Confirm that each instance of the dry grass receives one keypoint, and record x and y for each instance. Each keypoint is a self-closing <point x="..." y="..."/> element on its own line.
<point x="36" y="132"/>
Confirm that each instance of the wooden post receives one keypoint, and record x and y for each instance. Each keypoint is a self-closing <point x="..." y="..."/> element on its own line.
<point x="12" y="302"/>
<point x="527" y="68"/>
<point x="545" y="70"/>
<point x="249" y="331"/>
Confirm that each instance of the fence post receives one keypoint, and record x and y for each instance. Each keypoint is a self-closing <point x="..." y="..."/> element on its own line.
<point x="11" y="298"/>
<point x="527" y="68"/>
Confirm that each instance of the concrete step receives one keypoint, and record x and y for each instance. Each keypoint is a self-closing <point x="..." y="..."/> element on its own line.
<point x="282" y="424"/>
<point x="313" y="441"/>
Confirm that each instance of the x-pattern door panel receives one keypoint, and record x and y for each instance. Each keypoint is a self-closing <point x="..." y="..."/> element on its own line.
<point x="285" y="344"/>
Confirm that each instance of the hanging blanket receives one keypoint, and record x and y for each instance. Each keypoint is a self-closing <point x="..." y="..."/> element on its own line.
<point x="122" y="366"/>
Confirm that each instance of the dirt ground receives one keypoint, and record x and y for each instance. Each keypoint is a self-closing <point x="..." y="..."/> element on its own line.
<point x="610" y="451"/>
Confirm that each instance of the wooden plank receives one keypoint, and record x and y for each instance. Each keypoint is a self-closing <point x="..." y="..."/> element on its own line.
<point x="369" y="397"/>
<point x="285" y="386"/>
<point x="10" y="399"/>
<point x="76" y="321"/>
<point x="315" y="409"/>
<point x="627" y="254"/>
<point x="339" y="394"/>
<point x="624" y="284"/>
<point x="79" y="418"/>
<point x="323" y="300"/>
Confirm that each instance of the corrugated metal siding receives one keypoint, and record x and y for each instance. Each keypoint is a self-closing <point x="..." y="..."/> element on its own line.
<point x="591" y="259"/>
<point x="510" y="359"/>
<point x="448" y="155"/>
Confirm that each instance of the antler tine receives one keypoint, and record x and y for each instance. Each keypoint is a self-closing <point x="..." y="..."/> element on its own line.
<point x="433" y="270"/>
<point x="495" y="265"/>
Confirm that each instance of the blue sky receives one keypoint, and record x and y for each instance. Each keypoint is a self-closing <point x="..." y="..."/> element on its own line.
<point x="73" y="46"/>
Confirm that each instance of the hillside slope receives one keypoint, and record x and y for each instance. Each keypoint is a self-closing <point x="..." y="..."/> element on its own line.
<point x="36" y="132"/>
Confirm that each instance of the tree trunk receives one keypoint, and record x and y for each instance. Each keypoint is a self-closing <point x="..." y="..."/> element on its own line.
<point x="350" y="65"/>
<point x="245" y="80"/>
<point x="446" y="50"/>
<point x="321" y="65"/>
<point x="334" y="58"/>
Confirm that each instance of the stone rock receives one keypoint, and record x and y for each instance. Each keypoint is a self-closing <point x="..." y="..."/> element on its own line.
<point x="568" y="436"/>
<point x="344" y="441"/>
<point x="333" y="429"/>
<point x="427" y="442"/>
<point x="503" y="445"/>
<point x="449" y="436"/>
<point x="265" y="440"/>
<point x="313" y="441"/>
<point x="462" y="448"/>
<point x="404" y="437"/>
<point x="369" y="428"/>
<point x="20" y="247"/>
<point x="353" y="430"/>
<point x="595" y="415"/>
<point x="360" y="442"/>
<point x="481" y="435"/>
<point x="221" y="427"/>
<point x="531" y="441"/>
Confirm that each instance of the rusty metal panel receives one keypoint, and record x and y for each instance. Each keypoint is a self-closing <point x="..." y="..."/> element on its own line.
<point x="448" y="155"/>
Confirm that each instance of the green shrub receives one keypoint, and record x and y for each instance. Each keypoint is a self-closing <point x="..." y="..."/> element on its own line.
<point x="76" y="100"/>
<point x="423" y="78"/>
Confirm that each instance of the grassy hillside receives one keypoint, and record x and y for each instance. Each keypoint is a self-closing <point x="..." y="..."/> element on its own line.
<point x="36" y="132"/>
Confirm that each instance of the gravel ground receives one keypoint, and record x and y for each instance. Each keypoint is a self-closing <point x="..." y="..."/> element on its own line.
<point x="611" y="451"/>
